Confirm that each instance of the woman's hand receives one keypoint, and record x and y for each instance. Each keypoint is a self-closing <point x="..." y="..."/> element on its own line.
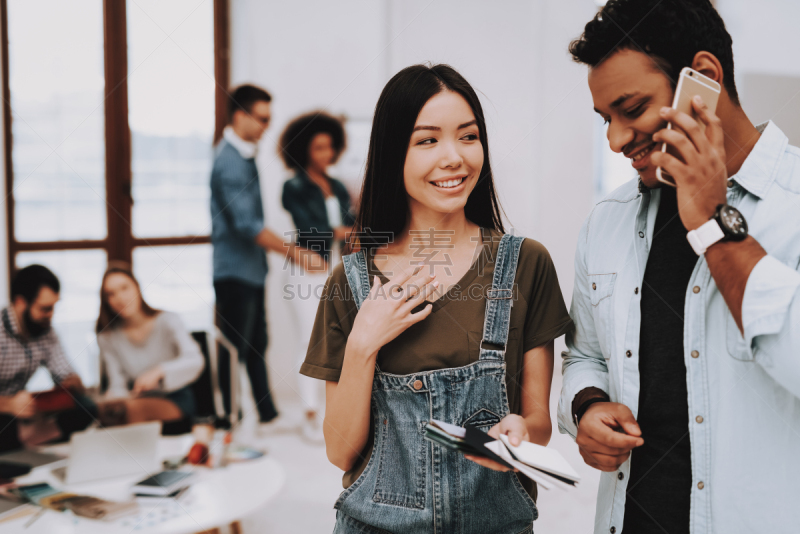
<point x="148" y="381"/>
<point x="386" y="312"/>
<point x="21" y="405"/>
<point x="517" y="431"/>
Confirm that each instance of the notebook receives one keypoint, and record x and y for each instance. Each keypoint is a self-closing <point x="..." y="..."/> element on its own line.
<point x="543" y="465"/>
<point x="163" y="483"/>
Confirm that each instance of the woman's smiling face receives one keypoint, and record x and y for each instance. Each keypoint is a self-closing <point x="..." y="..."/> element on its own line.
<point x="445" y="155"/>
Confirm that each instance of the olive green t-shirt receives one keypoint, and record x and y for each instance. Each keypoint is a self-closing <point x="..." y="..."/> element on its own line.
<point x="451" y="335"/>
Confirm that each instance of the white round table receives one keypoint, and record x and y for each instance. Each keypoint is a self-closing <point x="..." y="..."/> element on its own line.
<point x="216" y="497"/>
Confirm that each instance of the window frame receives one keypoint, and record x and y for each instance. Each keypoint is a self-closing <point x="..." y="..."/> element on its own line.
<point x="119" y="241"/>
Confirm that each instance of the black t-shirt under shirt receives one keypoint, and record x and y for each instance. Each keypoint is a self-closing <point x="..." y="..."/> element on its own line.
<point x="659" y="488"/>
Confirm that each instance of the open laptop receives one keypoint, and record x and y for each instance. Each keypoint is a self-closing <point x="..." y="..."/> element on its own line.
<point x="114" y="452"/>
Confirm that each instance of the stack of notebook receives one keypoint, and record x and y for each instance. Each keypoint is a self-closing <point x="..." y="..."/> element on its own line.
<point x="544" y="466"/>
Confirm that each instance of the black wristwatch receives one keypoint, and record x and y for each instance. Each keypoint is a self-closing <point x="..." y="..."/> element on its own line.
<point x="727" y="224"/>
<point x="731" y="222"/>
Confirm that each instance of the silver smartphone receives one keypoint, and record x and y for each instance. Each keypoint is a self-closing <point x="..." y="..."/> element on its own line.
<point x="690" y="84"/>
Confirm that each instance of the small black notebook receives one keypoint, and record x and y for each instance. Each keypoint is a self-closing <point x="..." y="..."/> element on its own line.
<point x="543" y="465"/>
<point x="468" y="440"/>
<point x="162" y="483"/>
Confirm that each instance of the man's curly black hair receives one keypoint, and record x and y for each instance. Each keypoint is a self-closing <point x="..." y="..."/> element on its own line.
<point x="296" y="138"/>
<point x="671" y="31"/>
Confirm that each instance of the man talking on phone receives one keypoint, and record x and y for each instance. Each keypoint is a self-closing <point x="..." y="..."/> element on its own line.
<point x="682" y="377"/>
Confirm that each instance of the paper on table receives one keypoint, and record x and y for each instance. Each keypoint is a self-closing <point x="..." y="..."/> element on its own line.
<point x="543" y="458"/>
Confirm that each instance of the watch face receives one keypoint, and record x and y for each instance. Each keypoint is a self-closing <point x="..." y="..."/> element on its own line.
<point x="733" y="223"/>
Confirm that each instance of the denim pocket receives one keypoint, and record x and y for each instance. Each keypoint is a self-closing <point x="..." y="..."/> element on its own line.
<point x="601" y="289"/>
<point x="403" y="462"/>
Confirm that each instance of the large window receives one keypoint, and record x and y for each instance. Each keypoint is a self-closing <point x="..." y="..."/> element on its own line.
<point x="111" y="109"/>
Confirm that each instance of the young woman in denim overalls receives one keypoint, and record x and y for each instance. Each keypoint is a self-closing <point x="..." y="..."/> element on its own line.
<point x="428" y="174"/>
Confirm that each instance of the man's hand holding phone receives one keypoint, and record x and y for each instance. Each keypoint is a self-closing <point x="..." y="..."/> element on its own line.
<point x="700" y="174"/>
<point x="606" y="435"/>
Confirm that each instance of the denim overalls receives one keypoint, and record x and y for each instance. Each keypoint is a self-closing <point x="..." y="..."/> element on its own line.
<point x="411" y="485"/>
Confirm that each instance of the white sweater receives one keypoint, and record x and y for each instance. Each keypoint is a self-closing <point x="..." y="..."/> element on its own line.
<point x="168" y="345"/>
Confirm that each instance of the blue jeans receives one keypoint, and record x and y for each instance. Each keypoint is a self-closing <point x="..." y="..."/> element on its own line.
<point x="241" y="316"/>
<point x="411" y="485"/>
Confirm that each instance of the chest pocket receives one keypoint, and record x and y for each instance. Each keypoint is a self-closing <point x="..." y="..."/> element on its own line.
<point x="601" y="289"/>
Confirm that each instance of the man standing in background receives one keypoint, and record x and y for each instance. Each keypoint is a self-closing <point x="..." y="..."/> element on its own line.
<point x="240" y="240"/>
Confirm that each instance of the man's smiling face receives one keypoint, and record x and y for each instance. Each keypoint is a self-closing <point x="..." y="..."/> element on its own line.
<point x="628" y="90"/>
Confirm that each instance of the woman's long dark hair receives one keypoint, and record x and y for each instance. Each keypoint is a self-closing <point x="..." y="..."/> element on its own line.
<point x="384" y="204"/>
<point x="108" y="318"/>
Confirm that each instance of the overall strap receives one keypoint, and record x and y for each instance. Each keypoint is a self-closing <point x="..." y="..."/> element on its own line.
<point x="355" y="267"/>
<point x="499" y="299"/>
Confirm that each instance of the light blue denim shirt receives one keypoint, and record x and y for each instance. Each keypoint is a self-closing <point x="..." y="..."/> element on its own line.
<point x="237" y="216"/>
<point x="744" y="391"/>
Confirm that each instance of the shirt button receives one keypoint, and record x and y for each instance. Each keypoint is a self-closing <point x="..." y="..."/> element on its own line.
<point x="628" y="353"/>
<point x="699" y="418"/>
<point x="418" y="385"/>
<point x="594" y="286"/>
<point x="730" y="182"/>
<point x="700" y="485"/>
<point x="641" y="234"/>
<point x="696" y="289"/>
<point x="621" y="476"/>
<point x="612" y="530"/>
<point x="695" y="354"/>
<point x="636" y="291"/>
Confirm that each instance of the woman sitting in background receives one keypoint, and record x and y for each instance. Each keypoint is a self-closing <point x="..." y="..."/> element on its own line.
<point x="320" y="208"/>
<point x="150" y="359"/>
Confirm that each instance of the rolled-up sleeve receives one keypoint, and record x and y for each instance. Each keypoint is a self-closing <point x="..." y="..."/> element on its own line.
<point x="583" y="365"/>
<point x="771" y="317"/>
<point x="239" y="207"/>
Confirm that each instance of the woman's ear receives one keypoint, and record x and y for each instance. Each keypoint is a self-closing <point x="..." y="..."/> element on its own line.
<point x="708" y="65"/>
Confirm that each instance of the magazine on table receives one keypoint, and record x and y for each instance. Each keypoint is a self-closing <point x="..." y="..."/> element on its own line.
<point x="47" y="496"/>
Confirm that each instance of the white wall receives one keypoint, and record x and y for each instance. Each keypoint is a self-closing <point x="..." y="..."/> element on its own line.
<point x="766" y="55"/>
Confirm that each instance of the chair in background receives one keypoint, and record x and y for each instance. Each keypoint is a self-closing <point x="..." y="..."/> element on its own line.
<point x="208" y="397"/>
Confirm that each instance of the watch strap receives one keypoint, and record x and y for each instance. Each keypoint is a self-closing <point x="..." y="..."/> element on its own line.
<point x="585" y="406"/>
<point x="705" y="236"/>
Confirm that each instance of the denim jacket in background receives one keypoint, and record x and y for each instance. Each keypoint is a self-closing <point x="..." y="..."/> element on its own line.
<point x="237" y="215"/>
<point x="743" y="391"/>
<point x="304" y="200"/>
